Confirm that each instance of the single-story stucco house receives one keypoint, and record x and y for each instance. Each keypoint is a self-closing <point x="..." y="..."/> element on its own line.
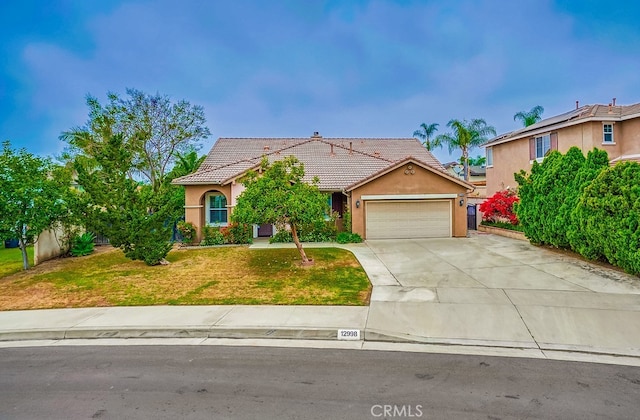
<point x="393" y="188"/>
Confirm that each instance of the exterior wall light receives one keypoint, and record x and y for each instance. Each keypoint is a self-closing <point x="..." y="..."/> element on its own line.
<point x="461" y="202"/>
<point x="357" y="204"/>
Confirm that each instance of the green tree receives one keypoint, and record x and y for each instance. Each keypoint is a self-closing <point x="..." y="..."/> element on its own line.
<point x="425" y="133"/>
<point x="281" y="197"/>
<point x="477" y="161"/>
<point x="34" y="196"/>
<point x="550" y="194"/>
<point x="125" y="157"/>
<point x="597" y="161"/>
<point x="610" y="212"/>
<point x="529" y="117"/>
<point x="466" y="135"/>
<point x="132" y="215"/>
<point x="153" y="129"/>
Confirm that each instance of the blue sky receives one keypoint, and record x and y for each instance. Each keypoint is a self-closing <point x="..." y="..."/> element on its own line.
<point x="288" y="68"/>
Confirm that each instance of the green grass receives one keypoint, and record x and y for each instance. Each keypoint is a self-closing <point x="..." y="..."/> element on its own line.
<point x="209" y="276"/>
<point x="11" y="260"/>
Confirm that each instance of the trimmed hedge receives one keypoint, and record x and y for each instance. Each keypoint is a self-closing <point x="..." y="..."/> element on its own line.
<point x="610" y="212"/>
<point x="584" y="205"/>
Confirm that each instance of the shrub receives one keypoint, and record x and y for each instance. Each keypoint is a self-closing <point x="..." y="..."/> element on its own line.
<point x="499" y="207"/>
<point x="347" y="237"/>
<point x="237" y="233"/>
<point x="150" y="246"/>
<point x="211" y="236"/>
<point x="597" y="161"/>
<point x="281" y="236"/>
<point x="187" y="230"/>
<point x="548" y="196"/>
<point x="82" y="245"/>
<point x="346" y="221"/>
<point x="610" y="212"/>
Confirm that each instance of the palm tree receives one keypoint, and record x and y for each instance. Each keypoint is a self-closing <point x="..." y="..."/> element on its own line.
<point x="186" y="163"/>
<point x="466" y="135"/>
<point x="531" y="117"/>
<point x="425" y="134"/>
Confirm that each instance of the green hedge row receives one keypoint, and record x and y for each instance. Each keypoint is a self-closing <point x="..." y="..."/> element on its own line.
<point x="585" y="205"/>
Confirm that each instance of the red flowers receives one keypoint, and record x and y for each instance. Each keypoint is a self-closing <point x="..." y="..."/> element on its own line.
<point x="499" y="207"/>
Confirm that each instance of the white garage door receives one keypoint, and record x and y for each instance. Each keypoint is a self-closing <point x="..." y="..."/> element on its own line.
<point x="408" y="219"/>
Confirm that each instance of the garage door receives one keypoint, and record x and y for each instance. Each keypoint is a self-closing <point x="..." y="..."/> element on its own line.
<point x="408" y="219"/>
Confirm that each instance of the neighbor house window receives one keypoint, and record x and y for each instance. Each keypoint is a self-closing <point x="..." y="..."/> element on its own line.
<point x="489" y="156"/>
<point x="216" y="209"/>
<point x="607" y="133"/>
<point x="543" y="145"/>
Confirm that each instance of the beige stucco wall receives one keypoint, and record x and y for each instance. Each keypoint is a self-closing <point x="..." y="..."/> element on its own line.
<point x="194" y="205"/>
<point x="630" y="132"/>
<point x="396" y="182"/>
<point x="508" y="158"/>
<point x="48" y="245"/>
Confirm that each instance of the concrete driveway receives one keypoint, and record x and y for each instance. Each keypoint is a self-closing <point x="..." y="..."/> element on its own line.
<point x="491" y="290"/>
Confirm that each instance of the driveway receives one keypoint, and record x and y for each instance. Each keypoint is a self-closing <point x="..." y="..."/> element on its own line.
<point x="488" y="289"/>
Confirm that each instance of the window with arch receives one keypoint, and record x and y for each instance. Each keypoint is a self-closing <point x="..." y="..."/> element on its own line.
<point x="216" y="209"/>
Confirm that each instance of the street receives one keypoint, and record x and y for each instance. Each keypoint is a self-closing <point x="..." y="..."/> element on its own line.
<point x="215" y="382"/>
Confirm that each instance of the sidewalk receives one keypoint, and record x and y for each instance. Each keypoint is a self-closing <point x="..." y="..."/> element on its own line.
<point x="439" y="302"/>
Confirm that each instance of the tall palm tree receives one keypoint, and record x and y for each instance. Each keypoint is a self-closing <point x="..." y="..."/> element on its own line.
<point x="426" y="133"/>
<point x="466" y="135"/>
<point x="531" y="117"/>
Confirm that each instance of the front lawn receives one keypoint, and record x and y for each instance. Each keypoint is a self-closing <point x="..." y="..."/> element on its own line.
<point x="11" y="260"/>
<point x="209" y="276"/>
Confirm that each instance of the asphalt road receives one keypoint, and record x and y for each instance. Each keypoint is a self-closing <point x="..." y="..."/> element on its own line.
<point x="210" y="382"/>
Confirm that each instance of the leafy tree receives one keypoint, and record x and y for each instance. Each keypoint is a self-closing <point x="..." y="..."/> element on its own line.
<point x="425" y="133"/>
<point x="280" y="196"/>
<point x="153" y="129"/>
<point x="499" y="207"/>
<point x="466" y="135"/>
<point x="34" y="196"/>
<point x="125" y="157"/>
<point x="529" y="117"/>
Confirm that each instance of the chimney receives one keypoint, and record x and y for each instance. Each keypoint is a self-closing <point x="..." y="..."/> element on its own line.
<point x="577" y="104"/>
<point x="350" y="147"/>
<point x="332" y="153"/>
<point x="610" y="108"/>
<point x="614" y="101"/>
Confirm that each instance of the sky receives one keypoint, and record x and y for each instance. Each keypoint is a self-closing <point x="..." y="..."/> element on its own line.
<point x="287" y="68"/>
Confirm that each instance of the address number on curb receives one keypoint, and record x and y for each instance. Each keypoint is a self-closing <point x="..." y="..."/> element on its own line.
<point x="348" y="334"/>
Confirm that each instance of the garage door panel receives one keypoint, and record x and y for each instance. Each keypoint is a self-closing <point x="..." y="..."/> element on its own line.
<point x="408" y="219"/>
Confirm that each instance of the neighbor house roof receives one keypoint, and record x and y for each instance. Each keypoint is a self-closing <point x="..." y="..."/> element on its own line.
<point x="580" y="115"/>
<point x="337" y="162"/>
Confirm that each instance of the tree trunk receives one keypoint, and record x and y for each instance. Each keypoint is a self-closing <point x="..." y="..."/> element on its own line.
<point x="465" y="155"/>
<point x="296" y="240"/>
<point x="23" y="248"/>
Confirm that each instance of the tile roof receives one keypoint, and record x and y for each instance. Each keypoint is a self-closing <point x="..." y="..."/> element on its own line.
<point x="577" y="116"/>
<point x="337" y="162"/>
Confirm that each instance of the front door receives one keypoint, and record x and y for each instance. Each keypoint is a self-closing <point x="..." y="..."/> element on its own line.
<point x="265" y="231"/>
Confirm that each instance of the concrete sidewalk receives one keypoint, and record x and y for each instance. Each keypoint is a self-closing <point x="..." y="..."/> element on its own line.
<point x="463" y="295"/>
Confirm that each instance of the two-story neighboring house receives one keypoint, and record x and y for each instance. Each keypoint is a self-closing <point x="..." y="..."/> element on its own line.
<point x="613" y="128"/>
